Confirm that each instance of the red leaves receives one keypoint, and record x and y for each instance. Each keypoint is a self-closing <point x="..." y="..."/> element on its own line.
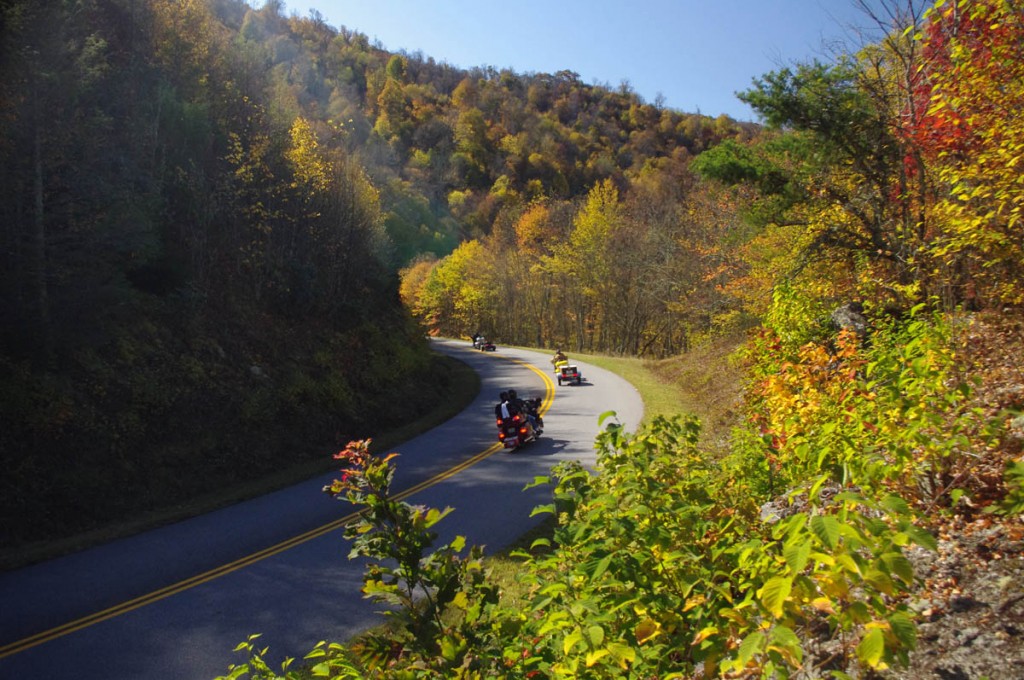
<point x="967" y="55"/>
<point x="361" y="466"/>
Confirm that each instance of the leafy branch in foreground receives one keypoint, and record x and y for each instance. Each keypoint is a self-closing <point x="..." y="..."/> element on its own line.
<point x="326" y="660"/>
<point x="437" y="600"/>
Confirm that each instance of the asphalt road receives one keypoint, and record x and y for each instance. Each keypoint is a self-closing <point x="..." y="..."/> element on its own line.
<point x="172" y="603"/>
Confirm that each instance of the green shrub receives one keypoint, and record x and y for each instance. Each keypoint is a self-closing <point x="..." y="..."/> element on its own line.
<point x="664" y="566"/>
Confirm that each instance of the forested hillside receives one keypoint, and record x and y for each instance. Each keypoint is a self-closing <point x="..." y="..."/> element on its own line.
<point x="194" y="292"/>
<point x="205" y="208"/>
<point x="859" y="188"/>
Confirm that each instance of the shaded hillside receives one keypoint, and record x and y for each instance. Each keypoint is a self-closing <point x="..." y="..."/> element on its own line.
<point x="193" y="293"/>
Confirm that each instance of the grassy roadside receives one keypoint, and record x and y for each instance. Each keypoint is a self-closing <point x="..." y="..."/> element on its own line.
<point x="466" y="386"/>
<point x="705" y="382"/>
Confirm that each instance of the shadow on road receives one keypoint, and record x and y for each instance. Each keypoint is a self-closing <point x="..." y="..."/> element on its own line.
<point x="544" y="446"/>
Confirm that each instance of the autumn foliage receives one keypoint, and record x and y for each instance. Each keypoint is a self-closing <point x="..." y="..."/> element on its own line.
<point x="889" y="178"/>
<point x="226" y="229"/>
<point x="969" y="93"/>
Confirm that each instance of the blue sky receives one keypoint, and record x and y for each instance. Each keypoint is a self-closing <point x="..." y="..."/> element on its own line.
<point x="695" y="53"/>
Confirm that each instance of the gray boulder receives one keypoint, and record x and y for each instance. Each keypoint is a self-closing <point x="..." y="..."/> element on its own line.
<point x="850" y="317"/>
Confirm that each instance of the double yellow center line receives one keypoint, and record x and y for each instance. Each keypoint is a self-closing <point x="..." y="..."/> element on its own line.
<point x="199" y="579"/>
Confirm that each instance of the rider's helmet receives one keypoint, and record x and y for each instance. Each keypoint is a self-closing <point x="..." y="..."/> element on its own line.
<point x="503" y="396"/>
<point x="511" y="394"/>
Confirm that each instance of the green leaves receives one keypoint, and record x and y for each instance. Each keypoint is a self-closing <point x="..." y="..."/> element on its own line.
<point x="571" y="639"/>
<point x="775" y="593"/>
<point x="601" y="567"/>
<point x="664" y="548"/>
<point x="437" y="598"/>
<point x="797" y="554"/>
<point x="659" y="564"/>
<point x="871" y="648"/>
<point x="1013" y="503"/>
<point x="660" y="561"/>
<point x="751" y="645"/>
<point x="331" y="661"/>
<point x="827" y="529"/>
<point x="639" y="546"/>
<point x="919" y="536"/>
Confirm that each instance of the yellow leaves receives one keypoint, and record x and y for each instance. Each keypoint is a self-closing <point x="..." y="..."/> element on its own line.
<point x="646" y="630"/>
<point x="514" y="145"/>
<point x="461" y="600"/>
<point x="704" y="634"/>
<point x="848" y="563"/>
<point x="835" y="586"/>
<point x="592" y="638"/>
<point x="595" y="656"/>
<point x="823" y="605"/>
<point x="594" y="224"/>
<point x="694" y="601"/>
<point x="311" y="168"/>
<point x="978" y="74"/>
<point x="457" y="289"/>
<point x="534" y="228"/>
<point x="774" y="594"/>
<point x="871" y="649"/>
<point x="413" y="279"/>
<point x="185" y="35"/>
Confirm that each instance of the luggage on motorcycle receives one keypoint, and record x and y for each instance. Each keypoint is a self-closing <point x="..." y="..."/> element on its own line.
<point x="569" y="374"/>
<point x="516" y="430"/>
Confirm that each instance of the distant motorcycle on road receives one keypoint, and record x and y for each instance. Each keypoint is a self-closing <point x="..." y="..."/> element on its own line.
<point x="483" y="344"/>
<point x="569" y="375"/>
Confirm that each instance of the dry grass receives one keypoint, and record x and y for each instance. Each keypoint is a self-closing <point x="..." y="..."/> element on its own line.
<point x="706" y="382"/>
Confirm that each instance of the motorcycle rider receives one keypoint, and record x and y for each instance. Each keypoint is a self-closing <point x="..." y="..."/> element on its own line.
<point x="536" y="422"/>
<point x="559" y="356"/>
<point x="504" y="410"/>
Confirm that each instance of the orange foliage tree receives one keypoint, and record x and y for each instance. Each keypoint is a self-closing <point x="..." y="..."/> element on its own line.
<point x="970" y="92"/>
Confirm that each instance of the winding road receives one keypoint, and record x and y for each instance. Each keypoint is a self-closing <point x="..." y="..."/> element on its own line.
<point x="172" y="603"/>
